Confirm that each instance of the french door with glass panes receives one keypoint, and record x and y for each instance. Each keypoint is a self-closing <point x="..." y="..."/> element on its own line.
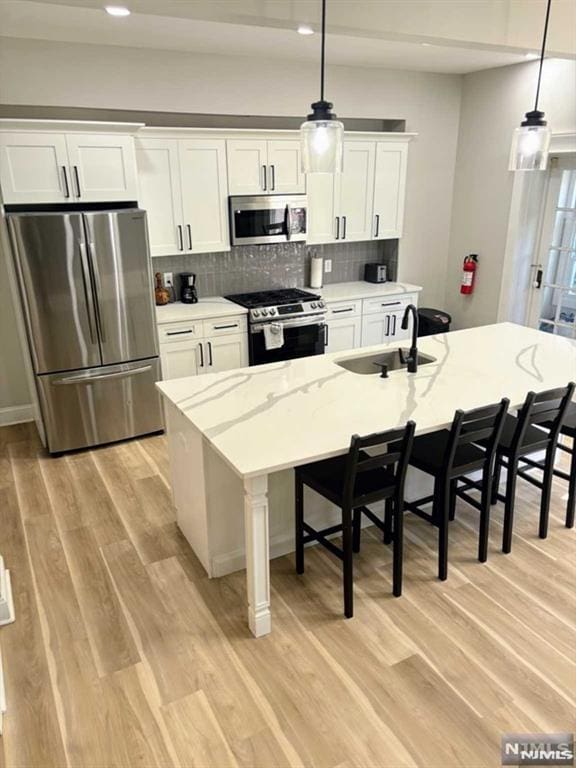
<point x="553" y="296"/>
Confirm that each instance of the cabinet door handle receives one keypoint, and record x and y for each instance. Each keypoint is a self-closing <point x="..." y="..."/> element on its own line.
<point x="209" y="353"/>
<point x="201" y="355"/>
<point x="340" y="311"/>
<point x="178" y="333"/>
<point x="77" y="177"/>
<point x="66" y="187"/>
<point x="189" y="230"/>
<point x="264" y="177"/>
<point x="180" y="238"/>
<point x="377" y="223"/>
<point x="222" y="327"/>
<point x="393" y="325"/>
<point x="272" y="178"/>
<point x="387" y="331"/>
<point x="343" y="227"/>
<point x="337" y="228"/>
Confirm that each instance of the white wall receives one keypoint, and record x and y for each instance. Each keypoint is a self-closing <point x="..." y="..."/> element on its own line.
<point x="60" y="74"/>
<point x="493" y="105"/>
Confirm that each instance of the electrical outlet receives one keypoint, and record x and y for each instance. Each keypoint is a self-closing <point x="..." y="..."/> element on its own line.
<point x="168" y="279"/>
<point x="327" y="265"/>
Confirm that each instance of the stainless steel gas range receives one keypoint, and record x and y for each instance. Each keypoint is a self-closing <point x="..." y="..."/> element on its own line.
<point x="283" y="324"/>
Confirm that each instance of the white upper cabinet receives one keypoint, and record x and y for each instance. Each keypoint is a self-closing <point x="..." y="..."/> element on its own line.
<point x="389" y="189"/>
<point x="285" y="167"/>
<point x="356" y="191"/>
<point x="258" y="167"/>
<point x="204" y="195"/>
<point x="247" y="167"/>
<point x="365" y="201"/>
<point x="103" y="167"/>
<point x="160" y="195"/>
<point x="34" y="168"/>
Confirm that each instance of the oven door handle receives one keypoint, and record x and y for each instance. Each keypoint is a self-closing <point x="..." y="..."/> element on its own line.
<point x="288" y="221"/>
<point x="303" y="323"/>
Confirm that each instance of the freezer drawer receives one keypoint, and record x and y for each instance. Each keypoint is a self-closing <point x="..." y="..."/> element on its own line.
<point x="100" y="405"/>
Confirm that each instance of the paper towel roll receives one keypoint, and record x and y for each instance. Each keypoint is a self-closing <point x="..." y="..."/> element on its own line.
<point x="316" y="271"/>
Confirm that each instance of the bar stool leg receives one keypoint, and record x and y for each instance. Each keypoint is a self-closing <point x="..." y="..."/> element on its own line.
<point x="398" y="548"/>
<point x="546" y="493"/>
<point x="388" y="517"/>
<point x="356" y="530"/>
<point x="485" y="502"/>
<point x="509" y="505"/>
<point x="347" y="562"/>
<point x="443" y="511"/>
<point x="299" y="504"/>
<point x="496" y="479"/>
<point x="571" y="489"/>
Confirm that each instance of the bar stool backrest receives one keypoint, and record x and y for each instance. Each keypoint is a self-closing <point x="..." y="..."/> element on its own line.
<point x="395" y="461"/>
<point x="480" y="425"/>
<point x="543" y="408"/>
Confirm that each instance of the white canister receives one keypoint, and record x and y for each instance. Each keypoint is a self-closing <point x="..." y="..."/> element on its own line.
<point x="316" y="270"/>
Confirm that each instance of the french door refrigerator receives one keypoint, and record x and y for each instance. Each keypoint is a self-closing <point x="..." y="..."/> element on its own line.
<point x="86" y="287"/>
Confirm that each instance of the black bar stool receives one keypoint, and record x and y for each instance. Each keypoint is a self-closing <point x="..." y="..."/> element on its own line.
<point x="568" y="429"/>
<point x="450" y="455"/>
<point x="523" y="435"/>
<point x="351" y="482"/>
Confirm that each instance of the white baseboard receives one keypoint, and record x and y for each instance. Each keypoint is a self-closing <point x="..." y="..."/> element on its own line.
<point x="16" y="414"/>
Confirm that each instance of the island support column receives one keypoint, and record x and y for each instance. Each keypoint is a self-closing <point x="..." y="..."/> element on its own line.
<point x="257" y="554"/>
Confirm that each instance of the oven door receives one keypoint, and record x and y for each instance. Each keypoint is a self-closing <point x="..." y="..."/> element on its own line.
<point x="302" y="338"/>
<point x="264" y="219"/>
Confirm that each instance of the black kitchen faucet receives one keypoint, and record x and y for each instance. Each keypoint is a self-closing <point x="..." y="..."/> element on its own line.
<point x="411" y="361"/>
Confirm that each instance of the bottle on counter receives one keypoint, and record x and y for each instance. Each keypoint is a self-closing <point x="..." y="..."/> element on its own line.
<point x="161" y="294"/>
<point x="316" y="270"/>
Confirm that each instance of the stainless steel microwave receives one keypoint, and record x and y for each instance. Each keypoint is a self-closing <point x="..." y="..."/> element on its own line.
<point x="261" y="219"/>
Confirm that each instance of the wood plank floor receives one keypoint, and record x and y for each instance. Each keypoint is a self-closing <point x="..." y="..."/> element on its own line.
<point x="125" y="654"/>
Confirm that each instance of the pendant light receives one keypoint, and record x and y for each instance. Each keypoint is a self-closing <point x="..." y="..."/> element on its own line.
<point x="322" y="134"/>
<point x="531" y="141"/>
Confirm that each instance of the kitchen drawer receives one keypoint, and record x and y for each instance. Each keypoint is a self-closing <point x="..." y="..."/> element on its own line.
<point x="225" y="325"/>
<point x="341" y="309"/>
<point x="389" y="303"/>
<point x="172" y="332"/>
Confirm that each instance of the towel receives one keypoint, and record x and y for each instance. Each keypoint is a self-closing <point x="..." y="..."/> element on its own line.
<point x="273" y="336"/>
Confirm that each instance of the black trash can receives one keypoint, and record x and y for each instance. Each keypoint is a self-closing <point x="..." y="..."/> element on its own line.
<point x="431" y="321"/>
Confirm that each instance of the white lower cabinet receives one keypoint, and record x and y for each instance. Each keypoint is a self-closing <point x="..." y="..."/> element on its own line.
<point x="344" y="334"/>
<point x="224" y="353"/>
<point x="180" y="359"/>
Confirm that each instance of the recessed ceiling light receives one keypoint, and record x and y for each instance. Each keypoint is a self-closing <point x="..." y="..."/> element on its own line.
<point x="530" y="55"/>
<point x="117" y="10"/>
<point x="305" y="29"/>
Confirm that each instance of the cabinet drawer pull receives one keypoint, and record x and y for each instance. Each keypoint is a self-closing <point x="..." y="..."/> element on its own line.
<point x="391" y="304"/>
<point x="178" y="333"/>
<point x="201" y="348"/>
<point x="339" y="311"/>
<point x="222" y="327"/>
<point x="209" y="353"/>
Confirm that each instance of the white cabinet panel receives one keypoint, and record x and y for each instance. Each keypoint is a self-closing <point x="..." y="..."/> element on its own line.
<point x="204" y="195"/>
<point x="375" y="329"/>
<point x="322" y="189"/>
<point x="344" y="334"/>
<point x="285" y="167"/>
<point x="389" y="189"/>
<point x="159" y="182"/>
<point x="103" y="167"/>
<point x="247" y="167"/>
<point x="184" y="358"/>
<point x="356" y="191"/>
<point x="227" y="352"/>
<point x="396" y="333"/>
<point x="34" y="168"/>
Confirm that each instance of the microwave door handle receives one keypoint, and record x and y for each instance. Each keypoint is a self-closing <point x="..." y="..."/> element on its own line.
<point x="288" y="221"/>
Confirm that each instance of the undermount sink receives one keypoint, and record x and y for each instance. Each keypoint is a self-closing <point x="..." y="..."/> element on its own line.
<point x="373" y="364"/>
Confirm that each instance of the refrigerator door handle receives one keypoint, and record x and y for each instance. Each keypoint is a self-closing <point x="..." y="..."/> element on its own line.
<point x="97" y="289"/>
<point x="89" y="379"/>
<point x="87" y="290"/>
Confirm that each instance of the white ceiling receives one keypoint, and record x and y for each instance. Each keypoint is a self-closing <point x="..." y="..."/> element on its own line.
<point x="424" y="38"/>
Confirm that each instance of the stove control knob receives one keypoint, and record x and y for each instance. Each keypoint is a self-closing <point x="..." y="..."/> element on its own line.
<point x="321" y="304"/>
<point x="264" y="312"/>
<point x="314" y="305"/>
<point x="272" y="311"/>
<point x="255" y="313"/>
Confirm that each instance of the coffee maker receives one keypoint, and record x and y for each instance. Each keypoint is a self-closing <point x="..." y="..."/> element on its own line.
<point x="188" y="293"/>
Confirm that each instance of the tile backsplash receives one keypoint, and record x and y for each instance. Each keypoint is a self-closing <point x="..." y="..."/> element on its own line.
<point x="285" y="265"/>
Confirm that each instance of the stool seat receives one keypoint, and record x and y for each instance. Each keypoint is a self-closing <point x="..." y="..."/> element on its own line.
<point x="328" y="477"/>
<point x="534" y="438"/>
<point x="429" y="451"/>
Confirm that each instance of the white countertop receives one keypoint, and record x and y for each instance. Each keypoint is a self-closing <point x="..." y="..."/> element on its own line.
<point x="276" y="416"/>
<point x="211" y="306"/>
<point x="362" y="290"/>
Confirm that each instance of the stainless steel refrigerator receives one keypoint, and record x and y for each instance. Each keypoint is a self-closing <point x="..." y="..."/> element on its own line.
<point x="86" y="288"/>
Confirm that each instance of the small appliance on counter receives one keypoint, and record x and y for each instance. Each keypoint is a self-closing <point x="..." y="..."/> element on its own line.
<point x="188" y="294"/>
<point x="375" y="273"/>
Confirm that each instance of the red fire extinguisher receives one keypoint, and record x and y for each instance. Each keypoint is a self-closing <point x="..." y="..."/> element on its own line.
<point x="469" y="274"/>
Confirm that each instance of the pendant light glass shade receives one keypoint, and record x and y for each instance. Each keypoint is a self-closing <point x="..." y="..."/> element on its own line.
<point x="322" y="141"/>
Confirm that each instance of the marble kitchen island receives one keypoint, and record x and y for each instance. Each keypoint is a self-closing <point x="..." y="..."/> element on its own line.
<point x="234" y="437"/>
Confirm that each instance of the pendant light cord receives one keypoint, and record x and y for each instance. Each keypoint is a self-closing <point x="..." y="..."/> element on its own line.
<point x="323" y="54"/>
<point x="542" y="53"/>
